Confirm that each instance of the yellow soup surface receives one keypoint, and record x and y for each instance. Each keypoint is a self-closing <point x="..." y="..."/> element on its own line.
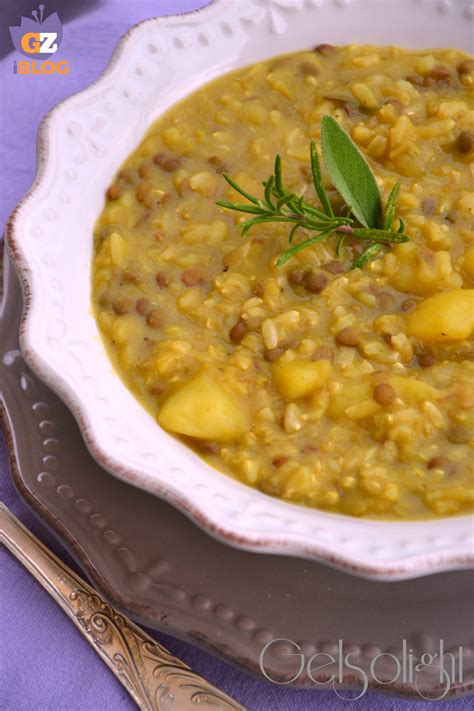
<point x="349" y="390"/>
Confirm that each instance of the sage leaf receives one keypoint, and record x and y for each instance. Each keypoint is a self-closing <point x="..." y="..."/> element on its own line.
<point x="350" y="173"/>
<point x="318" y="180"/>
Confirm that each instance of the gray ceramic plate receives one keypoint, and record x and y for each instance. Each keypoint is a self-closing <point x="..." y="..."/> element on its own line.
<point x="159" y="568"/>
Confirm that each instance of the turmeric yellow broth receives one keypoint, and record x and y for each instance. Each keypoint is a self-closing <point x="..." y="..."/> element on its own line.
<point x="349" y="390"/>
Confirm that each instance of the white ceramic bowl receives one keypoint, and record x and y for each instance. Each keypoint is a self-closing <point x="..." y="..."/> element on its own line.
<point x="82" y="142"/>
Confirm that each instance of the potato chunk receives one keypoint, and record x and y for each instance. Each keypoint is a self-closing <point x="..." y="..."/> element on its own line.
<point x="447" y="316"/>
<point x="422" y="271"/>
<point x="354" y="401"/>
<point x="295" y="379"/>
<point x="206" y="409"/>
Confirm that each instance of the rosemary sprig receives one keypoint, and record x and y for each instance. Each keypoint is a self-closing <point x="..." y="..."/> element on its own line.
<point x="353" y="180"/>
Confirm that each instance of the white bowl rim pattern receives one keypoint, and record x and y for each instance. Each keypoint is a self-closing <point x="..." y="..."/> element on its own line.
<point x="59" y="337"/>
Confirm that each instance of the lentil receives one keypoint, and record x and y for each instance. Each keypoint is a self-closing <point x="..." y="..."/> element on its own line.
<point x="466" y="66"/>
<point x="194" y="277"/>
<point x="384" y="394"/>
<point x="238" y="331"/>
<point x="162" y="279"/>
<point x="335" y="267"/>
<point x="143" y="306"/>
<point x="114" y="192"/>
<point x="465" y="141"/>
<point x="154" y="318"/>
<point x="168" y="163"/>
<point x="314" y="282"/>
<point x="349" y="336"/>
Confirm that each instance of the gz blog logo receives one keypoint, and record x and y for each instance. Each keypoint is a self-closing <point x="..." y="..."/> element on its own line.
<point x="39" y="40"/>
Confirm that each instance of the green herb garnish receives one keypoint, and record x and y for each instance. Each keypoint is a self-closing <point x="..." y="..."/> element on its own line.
<point x="350" y="174"/>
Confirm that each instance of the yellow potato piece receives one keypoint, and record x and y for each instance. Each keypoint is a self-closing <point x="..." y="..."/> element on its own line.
<point x="447" y="316"/>
<point x="423" y="271"/>
<point x="354" y="396"/>
<point x="297" y="379"/>
<point x="205" y="409"/>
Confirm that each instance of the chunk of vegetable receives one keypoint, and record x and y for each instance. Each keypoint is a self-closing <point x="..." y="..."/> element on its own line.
<point x="447" y="316"/>
<point x="296" y="379"/>
<point x="355" y="401"/>
<point x="422" y="271"/>
<point x="206" y="409"/>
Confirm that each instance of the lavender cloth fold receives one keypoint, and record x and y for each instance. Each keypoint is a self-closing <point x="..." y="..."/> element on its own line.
<point x="45" y="664"/>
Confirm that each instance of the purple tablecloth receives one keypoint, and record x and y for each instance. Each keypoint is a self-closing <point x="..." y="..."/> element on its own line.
<point x="45" y="665"/>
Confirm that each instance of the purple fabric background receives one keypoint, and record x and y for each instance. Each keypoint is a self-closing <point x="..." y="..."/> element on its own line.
<point x="45" y="664"/>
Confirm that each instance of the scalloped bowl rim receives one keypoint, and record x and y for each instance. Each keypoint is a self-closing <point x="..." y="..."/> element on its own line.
<point x="228" y="509"/>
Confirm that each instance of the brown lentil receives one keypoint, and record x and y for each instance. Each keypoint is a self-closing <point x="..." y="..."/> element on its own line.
<point x="115" y="191"/>
<point x="427" y="360"/>
<point x="278" y="461"/>
<point x="272" y="355"/>
<point x="218" y="164"/>
<point x="315" y="282"/>
<point x="162" y="279"/>
<point x="324" y="48"/>
<point x="466" y="66"/>
<point x="238" y="331"/>
<point x="384" y="394"/>
<point x="167" y="163"/>
<point x="144" y="170"/>
<point x="335" y="267"/>
<point x="122" y="307"/>
<point x="465" y="141"/>
<point x="296" y="277"/>
<point x="143" y="191"/>
<point x="349" y="336"/>
<point x="440" y="73"/>
<point x="194" y="277"/>
<point x="143" y="306"/>
<point x="154" y="318"/>
<point x="207" y="446"/>
<point x="386" y="301"/>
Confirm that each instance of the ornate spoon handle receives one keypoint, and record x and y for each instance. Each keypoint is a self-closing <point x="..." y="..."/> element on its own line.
<point x="155" y="679"/>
